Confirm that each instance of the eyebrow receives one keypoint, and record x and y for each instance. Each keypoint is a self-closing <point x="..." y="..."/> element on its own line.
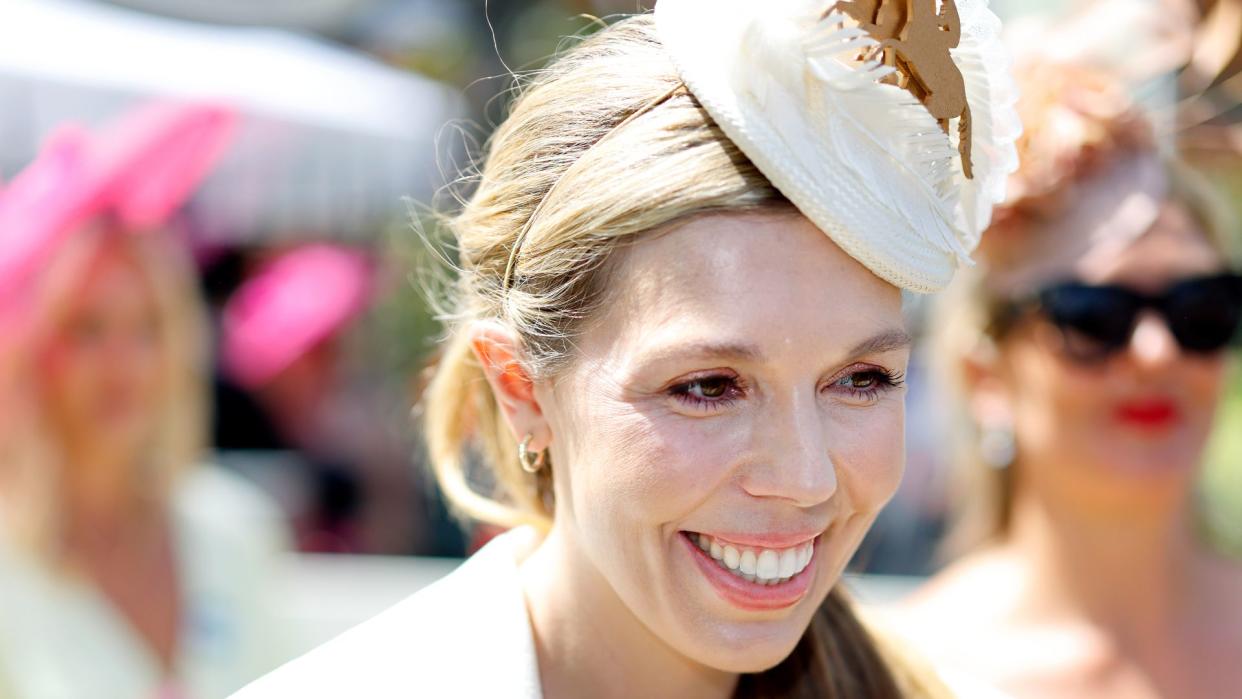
<point x="722" y="350"/>
<point x="884" y="342"/>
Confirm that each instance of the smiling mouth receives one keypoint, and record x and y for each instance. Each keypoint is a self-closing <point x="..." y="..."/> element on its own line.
<point x="762" y="566"/>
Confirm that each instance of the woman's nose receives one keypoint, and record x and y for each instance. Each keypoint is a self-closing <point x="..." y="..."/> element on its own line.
<point x="797" y="464"/>
<point x="1152" y="345"/>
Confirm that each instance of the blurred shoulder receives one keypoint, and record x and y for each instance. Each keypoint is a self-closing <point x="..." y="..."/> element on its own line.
<point x="967" y="596"/>
<point x="960" y="620"/>
<point x="212" y="495"/>
<point x="920" y="670"/>
<point x="964" y="686"/>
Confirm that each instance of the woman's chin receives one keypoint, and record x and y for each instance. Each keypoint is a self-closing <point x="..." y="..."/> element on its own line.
<point x="746" y="646"/>
<point x="1158" y="468"/>
<point x="751" y="657"/>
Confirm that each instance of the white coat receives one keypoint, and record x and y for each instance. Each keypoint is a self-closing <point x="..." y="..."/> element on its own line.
<point x="61" y="638"/>
<point x="467" y="635"/>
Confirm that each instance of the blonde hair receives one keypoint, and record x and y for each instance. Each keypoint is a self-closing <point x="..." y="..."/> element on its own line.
<point x="30" y="454"/>
<point x="1079" y="122"/>
<point x="565" y="184"/>
<point x="602" y="146"/>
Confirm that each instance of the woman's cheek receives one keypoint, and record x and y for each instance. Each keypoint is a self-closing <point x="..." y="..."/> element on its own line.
<point x="1207" y="380"/>
<point x="869" y="453"/>
<point x="61" y="375"/>
<point x="670" y="461"/>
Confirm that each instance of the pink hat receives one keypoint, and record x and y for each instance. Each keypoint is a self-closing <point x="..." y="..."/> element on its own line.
<point x="291" y="305"/>
<point x="38" y="209"/>
<point x="139" y="169"/>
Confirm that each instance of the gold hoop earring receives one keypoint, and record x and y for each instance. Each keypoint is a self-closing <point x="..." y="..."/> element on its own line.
<point x="531" y="463"/>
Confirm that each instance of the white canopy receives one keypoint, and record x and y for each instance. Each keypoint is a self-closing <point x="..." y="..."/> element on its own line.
<point x="330" y="139"/>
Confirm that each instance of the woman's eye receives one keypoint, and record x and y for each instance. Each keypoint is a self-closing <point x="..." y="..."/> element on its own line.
<point x="868" y="383"/>
<point x="86" y="331"/>
<point x="709" y="388"/>
<point x="707" y="391"/>
<point x="862" y="381"/>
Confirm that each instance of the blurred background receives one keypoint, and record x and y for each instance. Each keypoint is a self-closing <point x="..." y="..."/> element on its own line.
<point x="347" y="120"/>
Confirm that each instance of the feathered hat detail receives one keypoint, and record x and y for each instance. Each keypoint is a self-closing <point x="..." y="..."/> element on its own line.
<point x="889" y="123"/>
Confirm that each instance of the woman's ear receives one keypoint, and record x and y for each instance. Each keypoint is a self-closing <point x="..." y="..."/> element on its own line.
<point x="500" y="353"/>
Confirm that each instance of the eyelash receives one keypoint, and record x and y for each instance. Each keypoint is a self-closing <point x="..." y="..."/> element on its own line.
<point x="734" y="389"/>
<point x="882" y="380"/>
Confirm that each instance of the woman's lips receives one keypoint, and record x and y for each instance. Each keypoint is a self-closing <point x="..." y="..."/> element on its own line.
<point x="1152" y="413"/>
<point x="768" y="540"/>
<point x="752" y="596"/>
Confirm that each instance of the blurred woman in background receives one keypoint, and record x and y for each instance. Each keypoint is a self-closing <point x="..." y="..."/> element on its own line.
<point x="125" y="570"/>
<point x="1091" y="352"/>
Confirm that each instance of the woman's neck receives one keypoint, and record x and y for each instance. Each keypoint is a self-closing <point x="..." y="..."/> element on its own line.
<point x="99" y="489"/>
<point x="590" y="644"/>
<point x="1134" y="575"/>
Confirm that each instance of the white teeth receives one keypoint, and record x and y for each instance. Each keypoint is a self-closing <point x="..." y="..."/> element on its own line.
<point x="789" y="562"/>
<point x="762" y="566"/>
<point x="747" y="566"/>
<point x="768" y="565"/>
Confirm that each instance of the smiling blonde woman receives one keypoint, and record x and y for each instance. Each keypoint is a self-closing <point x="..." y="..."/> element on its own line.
<point x="678" y="350"/>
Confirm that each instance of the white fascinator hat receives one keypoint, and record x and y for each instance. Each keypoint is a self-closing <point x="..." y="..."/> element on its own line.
<point x="890" y="124"/>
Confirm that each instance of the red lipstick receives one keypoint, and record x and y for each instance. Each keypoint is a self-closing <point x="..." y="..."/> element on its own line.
<point x="1148" y="413"/>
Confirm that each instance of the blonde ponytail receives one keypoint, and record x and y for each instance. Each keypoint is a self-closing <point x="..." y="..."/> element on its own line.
<point x="461" y="405"/>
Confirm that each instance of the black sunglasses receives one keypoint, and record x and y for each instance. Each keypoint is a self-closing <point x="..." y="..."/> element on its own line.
<point x="1202" y="313"/>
